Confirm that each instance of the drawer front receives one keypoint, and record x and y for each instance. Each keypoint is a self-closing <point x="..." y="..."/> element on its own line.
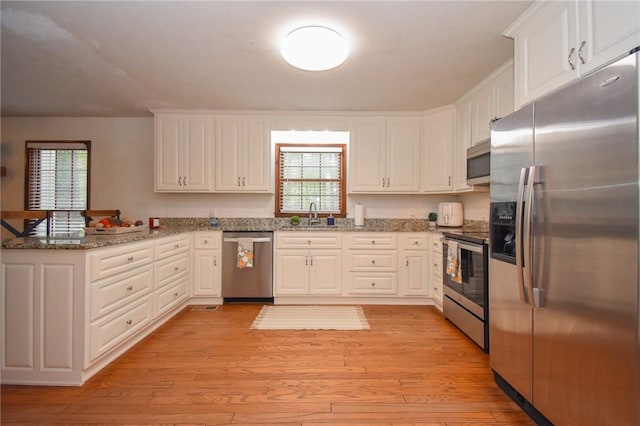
<point x="436" y="266"/>
<point x="414" y="242"/>
<point x="170" y="269"/>
<point x="110" y="294"/>
<point x="383" y="261"/>
<point x="108" y="262"/>
<point x="370" y="284"/>
<point x="206" y="240"/>
<point x="113" y="330"/>
<point x="377" y="240"/>
<point x="169" y="297"/>
<point x="316" y="239"/>
<point x="436" y="243"/>
<point x="173" y="245"/>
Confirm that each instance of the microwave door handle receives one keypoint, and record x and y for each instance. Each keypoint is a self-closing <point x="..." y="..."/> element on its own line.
<point x="519" y="219"/>
<point x="527" y="241"/>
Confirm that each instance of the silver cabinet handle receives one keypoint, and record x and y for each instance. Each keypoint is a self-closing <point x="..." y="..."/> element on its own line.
<point x="311" y="260"/>
<point x="383" y="184"/>
<point x="373" y="262"/>
<point x="175" y="294"/>
<point x="184" y="180"/>
<point x="407" y="265"/>
<point x="176" y="268"/>
<point x="243" y="181"/>
<point x="449" y="180"/>
<point x="388" y="182"/>
<point x="570" y="60"/>
<point x="129" y="322"/>
<point x="130" y="288"/>
<point x="306" y="261"/>
<point x="215" y="260"/>
<point x="238" y="180"/>
<point x="582" y="60"/>
<point x="130" y="259"/>
<point x="373" y="284"/>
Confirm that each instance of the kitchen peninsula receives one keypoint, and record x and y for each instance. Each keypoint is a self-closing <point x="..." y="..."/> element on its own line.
<point x="73" y="305"/>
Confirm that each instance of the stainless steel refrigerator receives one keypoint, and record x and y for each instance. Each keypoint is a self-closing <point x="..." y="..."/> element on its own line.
<point x="563" y="268"/>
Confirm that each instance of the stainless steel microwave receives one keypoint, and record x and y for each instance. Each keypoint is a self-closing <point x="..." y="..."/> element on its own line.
<point x="479" y="164"/>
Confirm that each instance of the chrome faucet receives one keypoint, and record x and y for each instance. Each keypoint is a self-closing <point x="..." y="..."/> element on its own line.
<point x="313" y="213"/>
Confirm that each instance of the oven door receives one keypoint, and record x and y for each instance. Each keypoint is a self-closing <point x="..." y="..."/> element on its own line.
<point x="471" y="292"/>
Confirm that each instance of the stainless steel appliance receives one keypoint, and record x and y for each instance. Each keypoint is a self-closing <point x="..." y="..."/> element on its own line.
<point x="465" y="288"/>
<point x="563" y="268"/>
<point x="479" y="164"/>
<point x="253" y="283"/>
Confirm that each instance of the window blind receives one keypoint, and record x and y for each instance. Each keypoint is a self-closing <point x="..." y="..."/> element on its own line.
<point x="58" y="180"/>
<point x="310" y="174"/>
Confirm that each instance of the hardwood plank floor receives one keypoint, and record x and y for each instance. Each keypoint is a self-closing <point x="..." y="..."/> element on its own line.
<point x="208" y="367"/>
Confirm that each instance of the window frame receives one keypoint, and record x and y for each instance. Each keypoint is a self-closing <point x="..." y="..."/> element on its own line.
<point x="57" y="145"/>
<point x="343" y="179"/>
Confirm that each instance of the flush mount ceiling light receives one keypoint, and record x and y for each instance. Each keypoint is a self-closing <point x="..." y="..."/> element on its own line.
<point x="314" y="48"/>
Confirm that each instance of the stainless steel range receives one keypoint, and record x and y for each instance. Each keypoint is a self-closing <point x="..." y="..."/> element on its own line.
<point x="465" y="276"/>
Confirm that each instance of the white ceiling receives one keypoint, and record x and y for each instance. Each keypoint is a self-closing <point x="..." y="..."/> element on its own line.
<point x="125" y="58"/>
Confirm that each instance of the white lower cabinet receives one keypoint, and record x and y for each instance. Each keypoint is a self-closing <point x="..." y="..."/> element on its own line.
<point x="413" y="260"/>
<point x="308" y="263"/>
<point x="206" y="266"/>
<point x="436" y="269"/>
<point x="372" y="267"/>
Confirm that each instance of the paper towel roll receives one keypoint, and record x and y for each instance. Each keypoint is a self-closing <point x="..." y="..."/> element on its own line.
<point x="359" y="220"/>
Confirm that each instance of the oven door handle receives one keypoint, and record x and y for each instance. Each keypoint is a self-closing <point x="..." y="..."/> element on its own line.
<point x="519" y="234"/>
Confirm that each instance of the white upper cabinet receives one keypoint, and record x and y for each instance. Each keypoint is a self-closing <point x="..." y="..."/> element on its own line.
<point x="384" y="155"/>
<point x="184" y="153"/>
<point x="437" y="152"/>
<point x="462" y="143"/>
<point x="243" y="154"/>
<point x="557" y="42"/>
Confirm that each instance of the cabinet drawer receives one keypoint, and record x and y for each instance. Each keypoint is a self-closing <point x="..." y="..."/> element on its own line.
<point x="172" y="245"/>
<point x="373" y="284"/>
<point x="436" y="266"/>
<point x="377" y="240"/>
<point x="316" y="239"/>
<point x="414" y="242"/>
<point x="108" y="262"/>
<point x="109" y="294"/>
<point x="373" y="261"/>
<point x="115" y="329"/>
<point x="169" y="269"/>
<point x="169" y="297"/>
<point x="206" y="240"/>
<point x="436" y="243"/>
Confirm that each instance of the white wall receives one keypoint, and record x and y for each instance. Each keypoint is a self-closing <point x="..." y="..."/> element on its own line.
<point x="122" y="175"/>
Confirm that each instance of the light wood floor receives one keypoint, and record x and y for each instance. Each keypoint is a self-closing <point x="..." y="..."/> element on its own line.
<point x="412" y="367"/>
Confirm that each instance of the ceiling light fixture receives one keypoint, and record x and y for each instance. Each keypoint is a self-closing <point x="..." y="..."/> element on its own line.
<point x="314" y="48"/>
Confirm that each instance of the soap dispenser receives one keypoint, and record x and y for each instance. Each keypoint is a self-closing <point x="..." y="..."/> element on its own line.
<point x="331" y="220"/>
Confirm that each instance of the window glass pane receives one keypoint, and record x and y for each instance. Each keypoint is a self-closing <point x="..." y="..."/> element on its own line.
<point x="58" y="180"/>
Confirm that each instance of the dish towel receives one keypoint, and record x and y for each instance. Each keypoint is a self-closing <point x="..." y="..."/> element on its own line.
<point x="453" y="263"/>
<point x="245" y="253"/>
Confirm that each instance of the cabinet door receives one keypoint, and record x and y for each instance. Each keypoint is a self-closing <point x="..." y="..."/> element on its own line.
<point x="503" y="93"/>
<point x="168" y="146"/>
<point x="403" y="155"/>
<point x="228" y="151"/>
<point x="206" y="275"/>
<point x="542" y="52"/>
<point x="256" y="170"/>
<point x="608" y="29"/>
<point x="437" y="155"/>
<point x="292" y="272"/>
<point x="482" y="111"/>
<point x="367" y="156"/>
<point x="325" y="272"/>
<point x="414" y="273"/>
<point x="462" y="143"/>
<point x="198" y="147"/>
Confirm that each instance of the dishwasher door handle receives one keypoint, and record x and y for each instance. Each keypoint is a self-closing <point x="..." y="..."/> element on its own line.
<point x="255" y="240"/>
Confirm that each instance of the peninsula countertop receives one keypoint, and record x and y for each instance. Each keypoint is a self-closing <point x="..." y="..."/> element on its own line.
<point x="173" y="226"/>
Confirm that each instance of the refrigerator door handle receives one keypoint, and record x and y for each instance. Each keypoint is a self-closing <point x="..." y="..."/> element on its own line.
<point x="519" y="234"/>
<point x="527" y="240"/>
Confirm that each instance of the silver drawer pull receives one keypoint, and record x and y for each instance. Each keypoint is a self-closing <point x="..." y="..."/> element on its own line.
<point x="176" y="246"/>
<point x="373" y="284"/>
<point x="205" y="241"/>
<point x="129" y="322"/>
<point x="176" y="268"/>
<point x="373" y="241"/>
<point x="175" y="294"/>
<point x="373" y="262"/>
<point x="130" y="288"/>
<point x="130" y="259"/>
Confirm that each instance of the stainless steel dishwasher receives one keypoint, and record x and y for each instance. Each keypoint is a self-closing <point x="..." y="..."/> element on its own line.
<point x="253" y="283"/>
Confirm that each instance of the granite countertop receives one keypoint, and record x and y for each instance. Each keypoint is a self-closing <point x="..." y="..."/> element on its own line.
<point x="173" y="226"/>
